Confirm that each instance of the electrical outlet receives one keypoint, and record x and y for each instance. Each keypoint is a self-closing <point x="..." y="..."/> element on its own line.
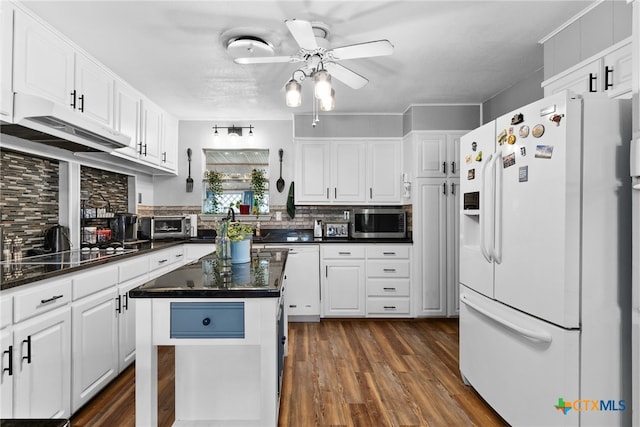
<point x="278" y="216"/>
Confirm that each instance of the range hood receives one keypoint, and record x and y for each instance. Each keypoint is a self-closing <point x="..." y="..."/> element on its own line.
<point x="41" y="120"/>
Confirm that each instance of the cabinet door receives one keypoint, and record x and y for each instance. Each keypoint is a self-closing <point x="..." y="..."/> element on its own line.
<point x="95" y="345"/>
<point x="312" y="172"/>
<point x="584" y="80"/>
<point x="430" y="227"/>
<point x="384" y="171"/>
<point x="127" y="325"/>
<point x="94" y="89"/>
<point x="169" y="154"/>
<point x="453" y="246"/>
<point x="7" y="374"/>
<point x="152" y="132"/>
<point x="453" y="154"/>
<point x="343" y="288"/>
<point x="348" y="171"/>
<point x="618" y="72"/>
<point x="127" y="117"/>
<point x="303" y="286"/>
<point x="43" y="380"/>
<point x="43" y="63"/>
<point x="6" y="56"/>
<point x="431" y="155"/>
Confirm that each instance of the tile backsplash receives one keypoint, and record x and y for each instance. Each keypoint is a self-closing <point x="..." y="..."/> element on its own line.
<point x="28" y="196"/>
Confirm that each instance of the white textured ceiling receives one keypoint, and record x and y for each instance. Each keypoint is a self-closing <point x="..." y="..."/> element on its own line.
<point x="445" y="51"/>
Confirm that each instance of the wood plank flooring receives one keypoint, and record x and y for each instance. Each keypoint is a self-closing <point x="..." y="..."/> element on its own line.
<point x="341" y="373"/>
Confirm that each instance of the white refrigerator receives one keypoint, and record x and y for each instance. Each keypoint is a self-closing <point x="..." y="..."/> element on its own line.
<point x="545" y="263"/>
<point x="635" y="328"/>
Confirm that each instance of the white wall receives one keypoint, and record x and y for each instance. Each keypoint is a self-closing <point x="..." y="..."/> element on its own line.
<point x="198" y="135"/>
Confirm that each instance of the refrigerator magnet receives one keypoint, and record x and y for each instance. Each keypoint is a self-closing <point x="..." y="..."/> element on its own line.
<point x="511" y="139"/>
<point x="517" y="119"/>
<point x="509" y="160"/>
<point x="474" y="146"/>
<point x="467" y="159"/>
<point x="523" y="151"/>
<point x="544" y="151"/>
<point x="524" y="131"/>
<point x="537" y="131"/>
<point x="523" y="174"/>
<point x="502" y="137"/>
<point x="471" y="174"/>
<point x="556" y="118"/>
<point x="479" y="156"/>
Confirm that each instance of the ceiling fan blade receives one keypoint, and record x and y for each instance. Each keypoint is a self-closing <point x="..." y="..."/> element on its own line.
<point x="345" y="75"/>
<point x="363" y="50"/>
<point x="266" y="59"/>
<point x="303" y="33"/>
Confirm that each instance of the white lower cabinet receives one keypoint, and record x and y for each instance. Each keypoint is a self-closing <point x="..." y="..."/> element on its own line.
<point x="388" y="280"/>
<point x="126" y="309"/>
<point x="7" y="374"/>
<point x="343" y="280"/>
<point x="95" y="345"/>
<point x="42" y="366"/>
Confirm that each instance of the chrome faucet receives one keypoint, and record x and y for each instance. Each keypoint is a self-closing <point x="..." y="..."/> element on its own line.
<point x="231" y="215"/>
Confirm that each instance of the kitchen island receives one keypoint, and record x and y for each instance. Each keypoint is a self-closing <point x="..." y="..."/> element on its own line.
<point x="229" y="333"/>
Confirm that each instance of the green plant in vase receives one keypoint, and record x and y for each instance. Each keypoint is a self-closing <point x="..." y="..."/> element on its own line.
<point x="259" y="187"/>
<point x="214" y="185"/>
<point x="238" y="231"/>
<point x="240" y="237"/>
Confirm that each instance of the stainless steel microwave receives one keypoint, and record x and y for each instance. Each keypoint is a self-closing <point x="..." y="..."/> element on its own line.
<point x="164" y="227"/>
<point x="378" y="223"/>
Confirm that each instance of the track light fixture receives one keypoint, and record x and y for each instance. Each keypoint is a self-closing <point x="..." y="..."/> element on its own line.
<point x="233" y="130"/>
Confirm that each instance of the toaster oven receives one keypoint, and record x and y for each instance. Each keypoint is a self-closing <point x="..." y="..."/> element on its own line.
<point x="164" y="227"/>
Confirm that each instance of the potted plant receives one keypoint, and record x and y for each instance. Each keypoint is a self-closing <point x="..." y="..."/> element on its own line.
<point x="240" y="236"/>
<point x="214" y="185"/>
<point x="259" y="186"/>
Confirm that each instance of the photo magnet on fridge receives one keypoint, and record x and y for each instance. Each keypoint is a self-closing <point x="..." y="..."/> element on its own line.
<point x="544" y="151"/>
<point x="471" y="174"/>
<point x="523" y="174"/>
<point x="509" y="160"/>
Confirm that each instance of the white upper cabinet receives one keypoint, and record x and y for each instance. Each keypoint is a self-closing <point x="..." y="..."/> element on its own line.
<point x="152" y="133"/>
<point x="384" y="163"/>
<point x="6" y="55"/>
<point x="127" y="103"/>
<point x="437" y="154"/>
<point x="43" y="62"/>
<point x="354" y="171"/>
<point x="46" y="65"/>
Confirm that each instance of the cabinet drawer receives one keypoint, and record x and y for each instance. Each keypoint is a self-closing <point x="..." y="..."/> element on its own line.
<point x="6" y="310"/>
<point x="391" y="268"/>
<point x="388" y="288"/>
<point x="165" y="257"/>
<point x="207" y="320"/>
<point x="94" y="280"/>
<point x="41" y="299"/>
<point x="388" y="252"/>
<point x="130" y="269"/>
<point x="388" y="306"/>
<point x="330" y="251"/>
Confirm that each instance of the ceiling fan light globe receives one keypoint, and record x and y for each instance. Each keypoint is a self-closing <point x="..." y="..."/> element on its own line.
<point x="293" y="94"/>
<point x="322" y="84"/>
<point x="328" y="103"/>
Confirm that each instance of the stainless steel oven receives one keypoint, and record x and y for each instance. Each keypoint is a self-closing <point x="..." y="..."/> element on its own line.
<point x="378" y="223"/>
<point x="164" y="227"/>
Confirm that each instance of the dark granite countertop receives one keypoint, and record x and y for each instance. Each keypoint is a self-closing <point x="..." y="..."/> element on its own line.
<point x="305" y="236"/>
<point x="18" y="422"/>
<point x="260" y="278"/>
<point x="31" y="270"/>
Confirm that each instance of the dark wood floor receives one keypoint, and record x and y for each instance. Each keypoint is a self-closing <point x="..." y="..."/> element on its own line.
<point x="341" y="373"/>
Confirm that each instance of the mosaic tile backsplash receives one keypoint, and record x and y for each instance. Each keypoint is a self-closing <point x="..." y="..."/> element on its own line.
<point x="28" y="196"/>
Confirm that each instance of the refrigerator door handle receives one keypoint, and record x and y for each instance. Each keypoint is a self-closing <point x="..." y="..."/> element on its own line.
<point x="483" y="212"/>
<point x="542" y="336"/>
<point x="497" y="230"/>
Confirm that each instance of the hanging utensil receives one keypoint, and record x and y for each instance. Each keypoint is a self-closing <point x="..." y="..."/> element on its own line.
<point x="189" y="179"/>
<point x="280" y="182"/>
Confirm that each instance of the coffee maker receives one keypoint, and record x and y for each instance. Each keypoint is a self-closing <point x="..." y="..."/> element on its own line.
<point x="124" y="227"/>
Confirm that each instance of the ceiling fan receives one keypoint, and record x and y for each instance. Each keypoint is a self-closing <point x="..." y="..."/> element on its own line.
<point x="318" y="57"/>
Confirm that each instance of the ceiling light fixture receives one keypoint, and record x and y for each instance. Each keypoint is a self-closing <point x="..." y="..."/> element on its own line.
<point x="324" y="95"/>
<point x="233" y="130"/>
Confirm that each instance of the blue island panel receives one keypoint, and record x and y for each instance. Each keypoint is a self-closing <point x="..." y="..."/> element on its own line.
<point x="207" y="320"/>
